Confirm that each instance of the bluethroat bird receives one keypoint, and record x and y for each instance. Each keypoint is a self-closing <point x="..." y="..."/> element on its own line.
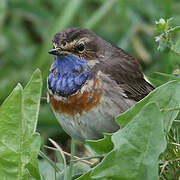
<point x="90" y="82"/>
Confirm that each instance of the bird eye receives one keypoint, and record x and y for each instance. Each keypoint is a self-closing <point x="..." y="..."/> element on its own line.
<point x="64" y="43"/>
<point x="80" y="47"/>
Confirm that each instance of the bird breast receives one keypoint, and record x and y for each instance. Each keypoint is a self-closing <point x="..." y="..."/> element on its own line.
<point x="85" y="99"/>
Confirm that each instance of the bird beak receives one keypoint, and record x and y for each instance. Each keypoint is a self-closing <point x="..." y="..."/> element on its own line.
<point x="56" y="51"/>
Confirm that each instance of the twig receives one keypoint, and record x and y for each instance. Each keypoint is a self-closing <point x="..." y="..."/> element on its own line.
<point x="175" y="144"/>
<point x="63" y="156"/>
<point x="163" y="167"/>
<point x="91" y="157"/>
<point x="69" y="155"/>
<point x="176" y="120"/>
<point x="44" y="98"/>
<point x="58" y="149"/>
<point x="166" y="163"/>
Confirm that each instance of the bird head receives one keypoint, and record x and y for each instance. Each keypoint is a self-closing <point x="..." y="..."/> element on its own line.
<point x="79" y="42"/>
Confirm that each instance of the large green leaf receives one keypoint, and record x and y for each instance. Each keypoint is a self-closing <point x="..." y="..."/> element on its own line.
<point x="31" y="140"/>
<point x="136" y="149"/>
<point x="31" y="147"/>
<point x="19" y="142"/>
<point x="31" y="143"/>
<point x="32" y="94"/>
<point x="11" y="135"/>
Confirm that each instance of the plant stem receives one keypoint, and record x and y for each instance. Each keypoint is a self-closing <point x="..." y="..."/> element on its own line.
<point x="72" y="159"/>
<point x="87" y="158"/>
<point x="69" y="155"/>
<point x="62" y="154"/>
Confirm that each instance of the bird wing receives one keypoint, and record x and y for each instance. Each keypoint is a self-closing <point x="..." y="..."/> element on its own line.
<point x="126" y="72"/>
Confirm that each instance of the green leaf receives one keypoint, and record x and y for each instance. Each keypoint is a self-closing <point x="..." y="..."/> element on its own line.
<point x="78" y="169"/>
<point x="32" y="94"/>
<point x="176" y="47"/>
<point x="164" y="45"/>
<point x="136" y="149"/>
<point x="19" y="142"/>
<point x="161" y="25"/>
<point x="86" y="176"/>
<point x="159" y="79"/>
<point x="31" y="143"/>
<point x="47" y="171"/>
<point x="102" y="146"/>
<point x="174" y="29"/>
<point x="166" y="96"/>
<point x="31" y="147"/>
<point x="11" y="166"/>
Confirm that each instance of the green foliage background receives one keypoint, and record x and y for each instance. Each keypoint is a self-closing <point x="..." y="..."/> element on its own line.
<point x="27" y="27"/>
<point x="26" y="30"/>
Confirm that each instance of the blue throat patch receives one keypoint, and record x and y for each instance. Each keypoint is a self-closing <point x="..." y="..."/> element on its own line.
<point x="68" y="74"/>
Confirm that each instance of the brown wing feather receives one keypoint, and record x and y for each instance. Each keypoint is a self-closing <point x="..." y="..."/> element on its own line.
<point x="126" y="71"/>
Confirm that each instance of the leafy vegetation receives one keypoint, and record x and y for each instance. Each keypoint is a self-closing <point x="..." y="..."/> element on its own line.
<point x="20" y="144"/>
<point x="147" y="146"/>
